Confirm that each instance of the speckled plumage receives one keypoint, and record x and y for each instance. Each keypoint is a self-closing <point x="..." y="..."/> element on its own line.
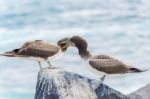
<point x="101" y="63"/>
<point x="38" y="50"/>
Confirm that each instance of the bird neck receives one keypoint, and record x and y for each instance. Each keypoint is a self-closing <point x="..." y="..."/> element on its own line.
<point x="84" y="54"/>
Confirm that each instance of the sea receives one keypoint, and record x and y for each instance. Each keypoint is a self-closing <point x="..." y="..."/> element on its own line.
<point x="119" y="28"/>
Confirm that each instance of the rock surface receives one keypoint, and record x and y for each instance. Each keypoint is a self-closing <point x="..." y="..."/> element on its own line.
<point x="142" y="93"/>
<point x="60" y="84"/>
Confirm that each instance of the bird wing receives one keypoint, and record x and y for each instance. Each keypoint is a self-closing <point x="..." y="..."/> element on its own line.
<point x="29" y="43"/>
<point x="110" y="66"/>
<point x="38" y="48"/>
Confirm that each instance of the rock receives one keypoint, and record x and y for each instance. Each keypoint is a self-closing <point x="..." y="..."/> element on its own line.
<point x="142" y="93"/>
<point x="60" y="84"/>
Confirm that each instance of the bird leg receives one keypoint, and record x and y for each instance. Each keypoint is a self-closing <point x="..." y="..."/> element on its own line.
<point x="49" y="63"/>
<point x="40" y="64"/>
<point x="103" y="78"/>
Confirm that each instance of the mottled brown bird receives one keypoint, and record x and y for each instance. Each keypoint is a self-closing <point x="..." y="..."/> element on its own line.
<point x="101" y="63"/>
<point x="39" y="50"/>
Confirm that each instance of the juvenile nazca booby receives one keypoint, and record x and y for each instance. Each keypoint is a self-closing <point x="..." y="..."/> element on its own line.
<point x="39" y="50"/>
<point x="101" y="63"/>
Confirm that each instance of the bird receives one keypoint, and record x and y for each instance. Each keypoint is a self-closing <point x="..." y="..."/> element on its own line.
<point x="39" y="50"/>
<point x="100" y="62"/>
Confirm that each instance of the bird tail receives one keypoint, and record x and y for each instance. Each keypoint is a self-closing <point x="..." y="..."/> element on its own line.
<point x="10" y="53"/>
<point x="136" y="70"/>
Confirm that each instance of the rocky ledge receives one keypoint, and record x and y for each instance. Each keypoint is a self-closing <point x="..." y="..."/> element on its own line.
<point x="142" y="93"/>
<point x="60" y="84"/>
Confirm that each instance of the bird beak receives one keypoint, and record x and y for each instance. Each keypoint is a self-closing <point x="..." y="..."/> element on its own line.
<point x="71" y="44"/>
<point x="68" y="43"/>
<point x="65" y="46"/>
<point x="64" y="42"/>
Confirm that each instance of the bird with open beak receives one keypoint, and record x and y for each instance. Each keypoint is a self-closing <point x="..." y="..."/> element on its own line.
<point x="39" y="50"/>
<point x="99" y="63"/>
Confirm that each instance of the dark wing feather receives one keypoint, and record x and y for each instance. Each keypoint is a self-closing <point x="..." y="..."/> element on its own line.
<point x="39" y="49"/>
<point x="110" y="66"/>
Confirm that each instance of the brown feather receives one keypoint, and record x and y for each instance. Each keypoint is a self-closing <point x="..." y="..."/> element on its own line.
<point x="110" y="66"/>
<point x="38" y="49"/>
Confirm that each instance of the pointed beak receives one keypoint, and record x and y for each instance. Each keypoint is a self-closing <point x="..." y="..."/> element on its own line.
<point x="65" y="46"/>
<point x="71" y="44"/>
<point x="64" y="42"/>
<point x="67" y="43"/>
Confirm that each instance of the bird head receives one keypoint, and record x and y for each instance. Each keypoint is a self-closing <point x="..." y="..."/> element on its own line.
<point x="79" y="42"/>
<point x="64" y="43"/>
<point x="75" y="41"/>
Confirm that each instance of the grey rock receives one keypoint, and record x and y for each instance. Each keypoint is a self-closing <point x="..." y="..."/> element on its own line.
<point x="60" y="84"/>
<point x="142" y="93"/>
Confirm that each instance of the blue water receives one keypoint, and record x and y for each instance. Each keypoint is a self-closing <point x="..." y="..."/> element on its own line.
<point x="114" y="27"/>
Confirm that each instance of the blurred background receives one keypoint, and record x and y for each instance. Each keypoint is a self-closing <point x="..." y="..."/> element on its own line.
<point x="120" y="28"/>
